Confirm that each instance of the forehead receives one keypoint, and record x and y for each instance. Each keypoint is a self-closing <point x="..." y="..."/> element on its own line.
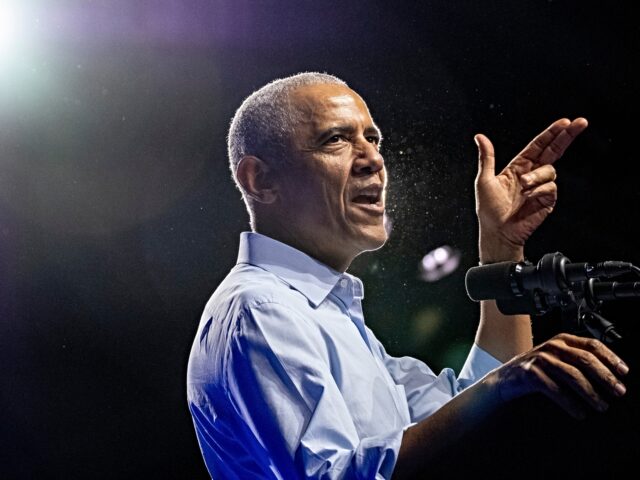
<point x="325" y="104"/>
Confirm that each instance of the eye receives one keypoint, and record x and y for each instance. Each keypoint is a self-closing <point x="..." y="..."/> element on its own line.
<point x="373" y="139"/>
<point x="335" y="139"/>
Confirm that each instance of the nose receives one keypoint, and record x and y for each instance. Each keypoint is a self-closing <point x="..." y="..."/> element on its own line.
<point x="368" y="160"/>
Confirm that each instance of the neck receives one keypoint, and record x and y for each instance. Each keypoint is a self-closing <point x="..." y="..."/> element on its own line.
<point x="305" y="242"/>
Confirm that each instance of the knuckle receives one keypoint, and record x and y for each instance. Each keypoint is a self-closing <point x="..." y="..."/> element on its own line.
<point x="574" y="374"/>
<point x="547" y="171"/>
<point x="547" y="202"/>
<point x="585" y="358"/>
<point x="594" y="345"/>
<point x="552" y="342"/>
<point x="527" y="364"/>
<point x="551" y="347"/>
<point x="555" y="343"/>
<point x="555" y="149"/>
<point x="546" y="357"/>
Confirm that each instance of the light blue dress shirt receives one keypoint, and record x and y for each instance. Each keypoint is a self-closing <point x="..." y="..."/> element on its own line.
<point x="286" y="381"/>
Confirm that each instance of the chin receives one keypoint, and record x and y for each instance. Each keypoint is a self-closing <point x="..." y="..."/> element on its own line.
<point x="374" y="239"/>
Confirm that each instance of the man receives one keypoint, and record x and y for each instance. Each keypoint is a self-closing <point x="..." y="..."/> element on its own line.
<point x="284" y="379"/>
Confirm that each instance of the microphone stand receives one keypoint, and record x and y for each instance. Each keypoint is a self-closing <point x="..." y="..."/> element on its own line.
<point x="594" y="294"/>
<point x="587" y="296"/>
<point x="599" y="327"/>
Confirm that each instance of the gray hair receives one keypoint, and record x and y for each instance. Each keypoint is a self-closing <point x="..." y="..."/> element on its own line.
<point x="263" y="124"/>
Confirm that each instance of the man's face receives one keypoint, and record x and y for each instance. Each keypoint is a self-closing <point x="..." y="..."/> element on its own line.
<point x="334" y="190"/>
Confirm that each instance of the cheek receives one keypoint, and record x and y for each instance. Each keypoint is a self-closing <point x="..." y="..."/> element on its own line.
<point x="317" y="198"/>
<point x="340" y="192"/>
<point x="322" y="188"/>
<point x="334" y="184"/>
<point x="332" y="202"/>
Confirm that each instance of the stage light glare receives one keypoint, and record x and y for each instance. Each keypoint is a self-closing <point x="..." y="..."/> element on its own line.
<point x="9" y="31"/>
<point x="24" y="78"/>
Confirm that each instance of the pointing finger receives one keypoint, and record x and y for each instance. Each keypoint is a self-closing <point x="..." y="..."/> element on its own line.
<point x="559" y="144"/>
<point x="535" y="148"/>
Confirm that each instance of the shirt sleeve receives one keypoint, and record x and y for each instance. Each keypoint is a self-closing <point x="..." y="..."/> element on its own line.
<point x="477" y="365"/>
<point x="280" y="382"/>
<point x="426" y="392"/>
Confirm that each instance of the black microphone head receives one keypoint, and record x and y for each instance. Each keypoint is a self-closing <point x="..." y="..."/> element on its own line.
<point x="490" y="282"/>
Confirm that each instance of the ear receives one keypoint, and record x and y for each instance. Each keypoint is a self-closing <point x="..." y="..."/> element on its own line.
<point x="256" y="179"/>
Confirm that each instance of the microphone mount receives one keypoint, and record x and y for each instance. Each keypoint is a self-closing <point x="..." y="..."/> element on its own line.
<point x="556" y="283"/>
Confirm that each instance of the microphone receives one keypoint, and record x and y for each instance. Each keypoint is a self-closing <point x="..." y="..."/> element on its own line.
<point x="521" y="287"/>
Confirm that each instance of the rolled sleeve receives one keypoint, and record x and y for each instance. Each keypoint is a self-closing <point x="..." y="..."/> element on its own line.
<point x="425" y="391"/>
<point x="477" y="365"/>
<point x="280" y="382"/>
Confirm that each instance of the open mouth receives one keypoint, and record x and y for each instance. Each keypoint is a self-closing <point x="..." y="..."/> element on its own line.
<point x="371" y="195"/>
<point x="367" y="199"/>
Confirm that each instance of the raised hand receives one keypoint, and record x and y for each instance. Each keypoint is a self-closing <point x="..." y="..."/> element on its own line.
<point x="512" y="204"/>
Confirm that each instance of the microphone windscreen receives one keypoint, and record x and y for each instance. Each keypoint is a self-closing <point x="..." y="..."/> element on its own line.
<point x="489" y="282"/>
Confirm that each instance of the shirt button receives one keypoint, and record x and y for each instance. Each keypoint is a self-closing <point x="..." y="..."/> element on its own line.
<point x="344" y="282"/>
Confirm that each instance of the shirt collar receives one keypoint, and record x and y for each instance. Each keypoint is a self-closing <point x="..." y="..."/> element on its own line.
<point x="313" y="279"/>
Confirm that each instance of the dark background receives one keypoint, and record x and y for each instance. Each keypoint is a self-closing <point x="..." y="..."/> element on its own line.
<point x="118" y="216"/>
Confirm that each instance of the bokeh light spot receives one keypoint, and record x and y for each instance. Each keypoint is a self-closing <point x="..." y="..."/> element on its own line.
<point x="439" y="263"/>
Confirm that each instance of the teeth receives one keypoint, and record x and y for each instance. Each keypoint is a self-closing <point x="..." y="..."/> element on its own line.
<point x="369" y="195"/>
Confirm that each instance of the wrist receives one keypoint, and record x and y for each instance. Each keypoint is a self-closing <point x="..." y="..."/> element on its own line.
<point x="488" y="392"/>
<point x="493" y="249"/>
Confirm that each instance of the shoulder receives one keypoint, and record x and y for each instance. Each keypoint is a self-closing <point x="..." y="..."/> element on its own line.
<point x="248" y="287"/>
<point x="255" y="313"/>
<point x="251" y="307"/>
<point x="251" y="299"/>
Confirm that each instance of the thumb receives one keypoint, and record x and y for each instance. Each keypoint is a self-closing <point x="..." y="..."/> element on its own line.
<point x="486" y="157"/>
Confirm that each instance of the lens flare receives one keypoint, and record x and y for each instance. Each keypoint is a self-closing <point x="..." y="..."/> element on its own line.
<point x="439" y="263"/>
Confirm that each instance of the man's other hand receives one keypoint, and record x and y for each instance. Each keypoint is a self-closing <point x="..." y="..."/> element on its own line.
<point x="574" y="372"/>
